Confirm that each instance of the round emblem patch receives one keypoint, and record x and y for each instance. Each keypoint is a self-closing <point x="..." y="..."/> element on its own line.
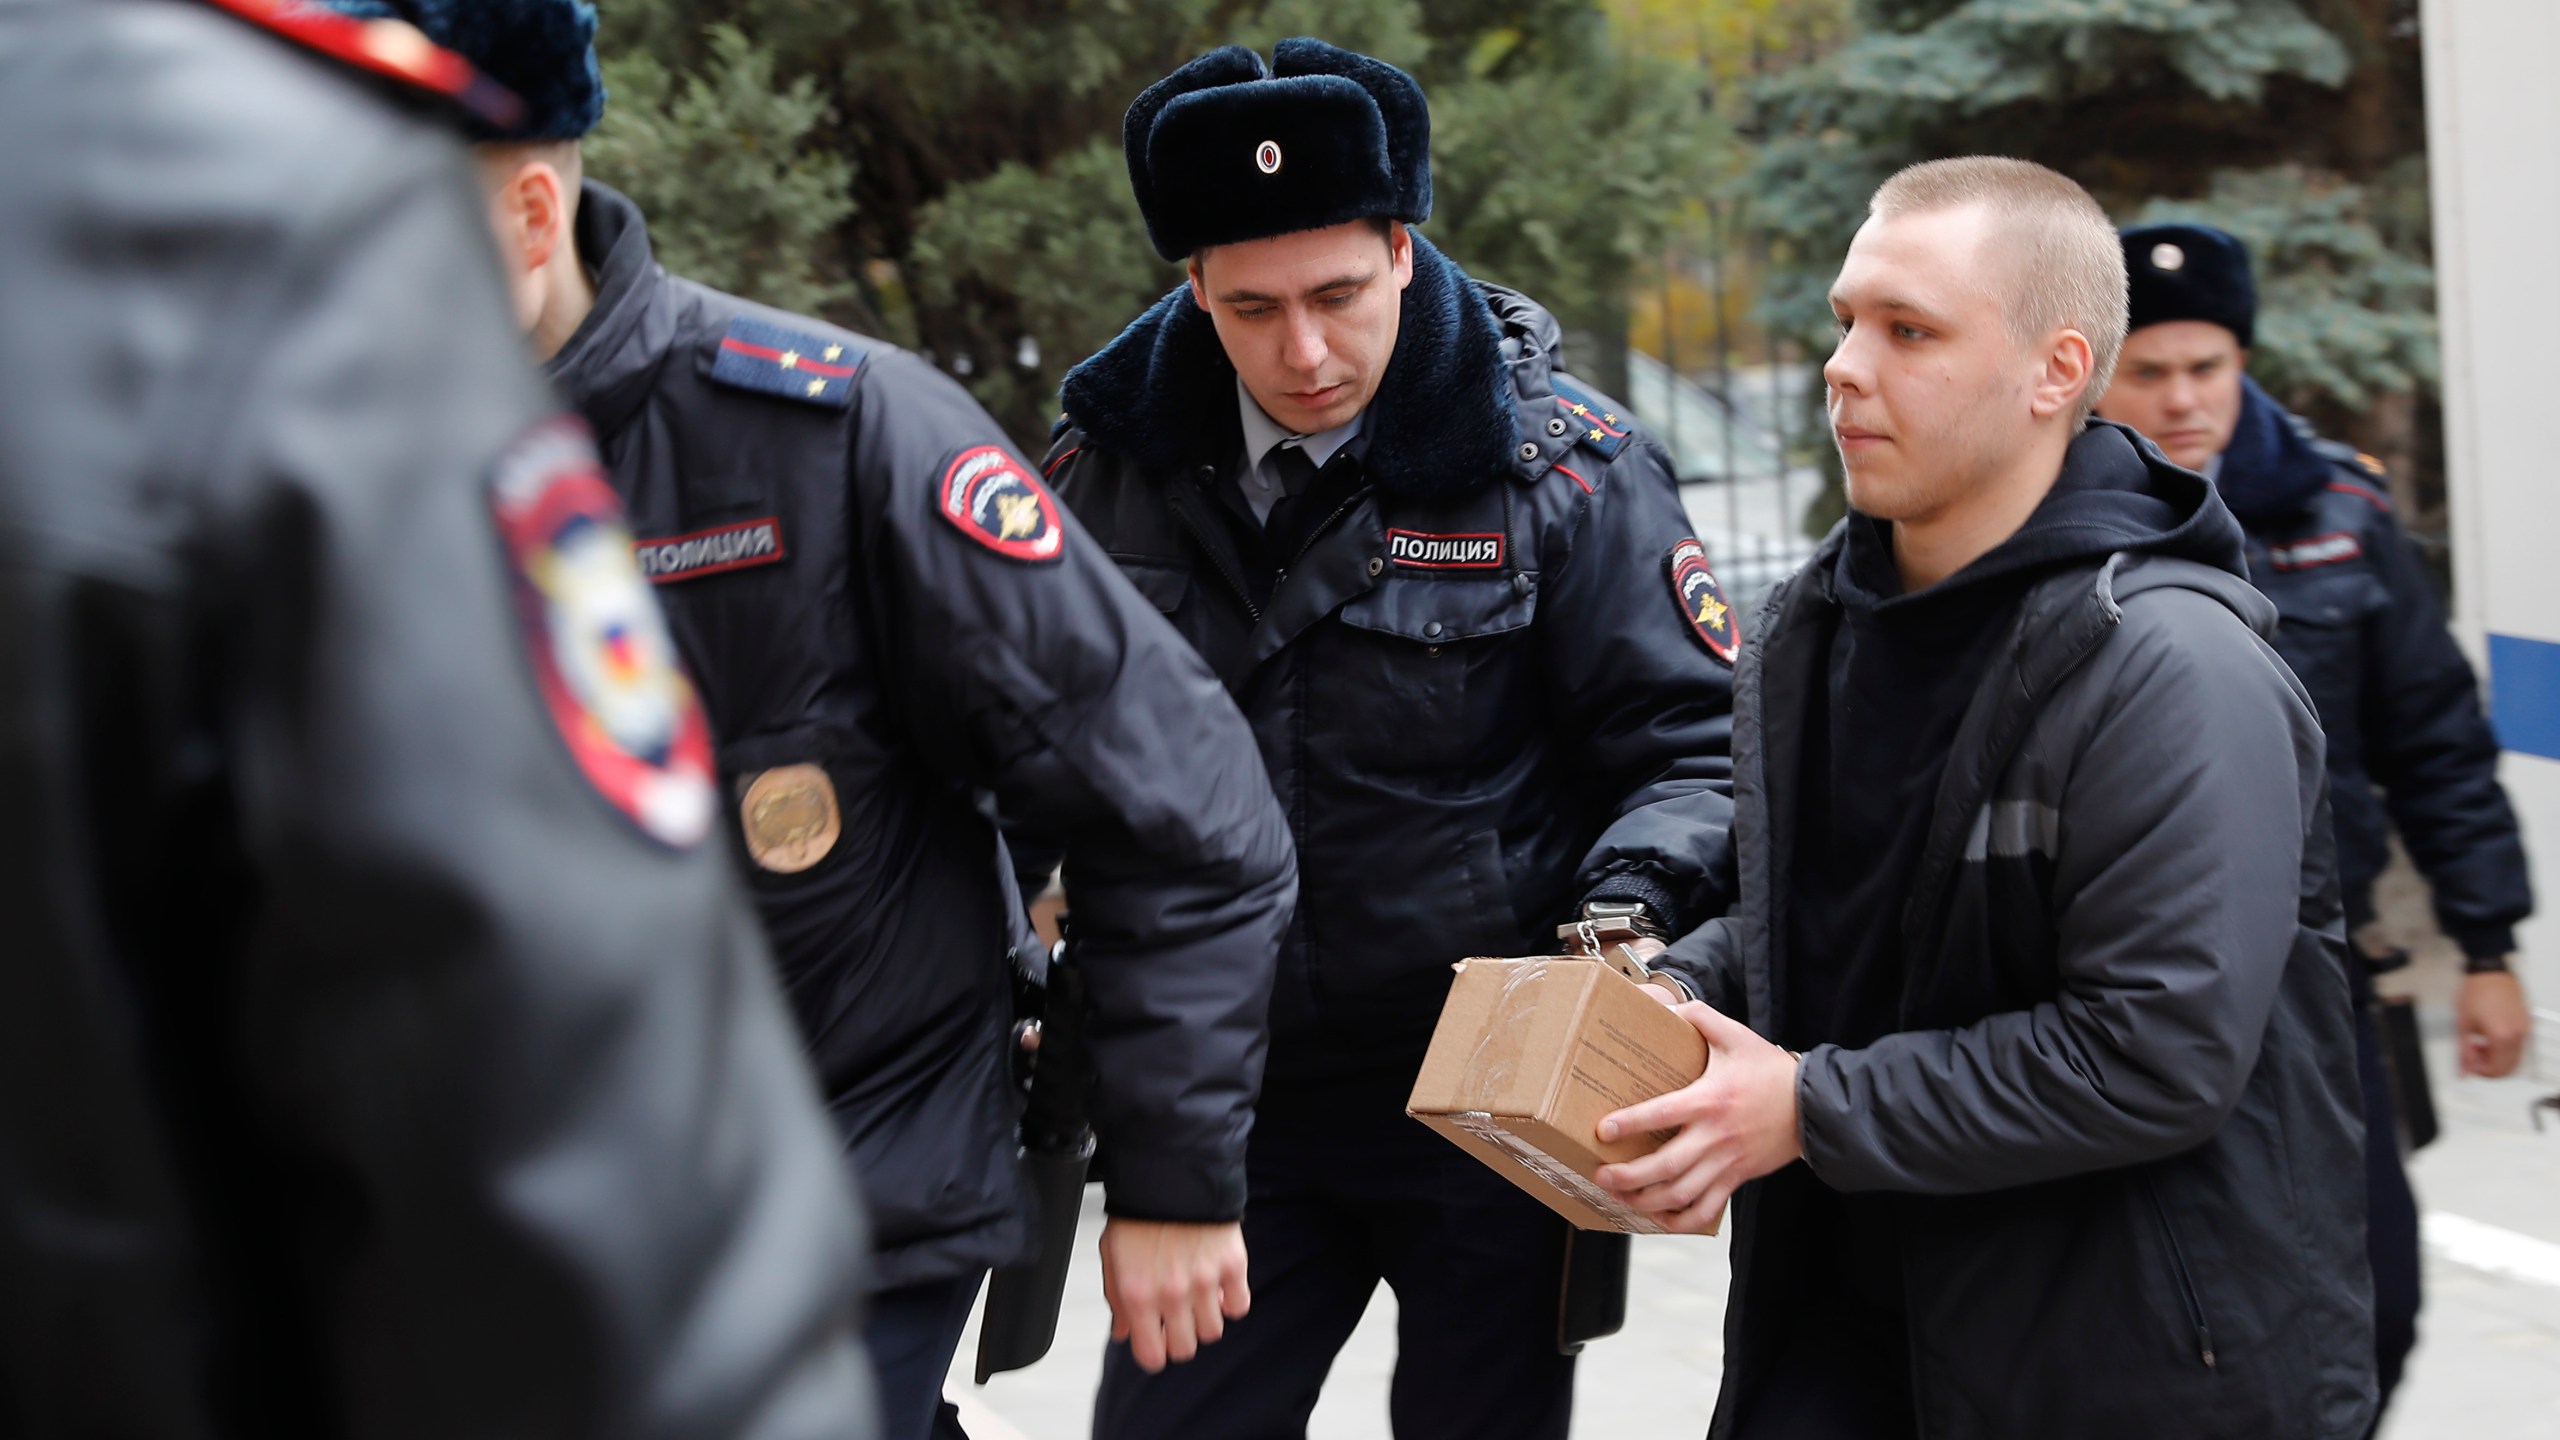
<point x="789" y="817"/>
<point x="2165" y="256"/>
<point x="1266" y="157"/>
<point x="994" y="501"/>
<point x="1702" y="601"/>
<point x="602" y="658"/>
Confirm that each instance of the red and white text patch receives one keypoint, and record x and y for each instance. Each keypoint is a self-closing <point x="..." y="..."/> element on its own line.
<point x="1445" y="552"/>
<point x="711" y="552"/>
<point x="2318" y="550"/>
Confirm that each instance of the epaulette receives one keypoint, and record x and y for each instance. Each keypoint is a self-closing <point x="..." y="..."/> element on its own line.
<point x="1601" y="429"/>
<point x="2364" y="474"/>
<point x="393" y="49"/>
<point x="794" y="364"/>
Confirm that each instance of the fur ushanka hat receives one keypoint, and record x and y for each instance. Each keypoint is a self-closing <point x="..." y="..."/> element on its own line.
<point x="2190" y="272"/>
<point x="543" y="50"/>
<point x="1225" y="149"/>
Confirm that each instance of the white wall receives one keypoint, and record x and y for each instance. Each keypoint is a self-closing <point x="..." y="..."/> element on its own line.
<point x="2493" y="140"/>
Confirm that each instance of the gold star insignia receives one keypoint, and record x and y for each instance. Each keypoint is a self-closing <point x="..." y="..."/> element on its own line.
<point x="817" y="387"/>
<point x="790" y="359"/>
<point x="1592" y="435"/>
<point x="1711" y="613"/>
<point x="1579" y="409"/>
<point x="1608" y="419"/>
<point x="834" y="353"/>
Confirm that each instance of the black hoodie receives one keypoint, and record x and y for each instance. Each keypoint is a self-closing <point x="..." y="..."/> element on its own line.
<point x="1902" y="669"/>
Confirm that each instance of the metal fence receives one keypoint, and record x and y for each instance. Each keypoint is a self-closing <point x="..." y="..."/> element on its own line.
<point x="1747" y="565"/>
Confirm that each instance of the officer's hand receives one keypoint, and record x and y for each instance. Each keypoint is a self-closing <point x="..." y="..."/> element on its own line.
<point x="1172" y="1288"/>
<point x="1737" y="1122"/>
<point x="2492" y="1022"/>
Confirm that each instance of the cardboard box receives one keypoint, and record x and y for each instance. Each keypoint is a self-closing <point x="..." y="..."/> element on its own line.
<point x="1529" y="1054"/>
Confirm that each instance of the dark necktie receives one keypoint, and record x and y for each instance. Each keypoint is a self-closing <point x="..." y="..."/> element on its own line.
<point x="1295" y="468"/>
<point x="1285" y="528"/>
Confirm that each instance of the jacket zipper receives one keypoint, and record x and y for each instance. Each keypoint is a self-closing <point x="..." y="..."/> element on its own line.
<point x="2186" y="1282"/>
<point x="1317" y="533"/>
<point x="1234" y="581"/>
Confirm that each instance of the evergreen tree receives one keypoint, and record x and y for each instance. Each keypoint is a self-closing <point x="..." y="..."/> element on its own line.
<point x="2296" y="124"/>
<point x="947" y="173"/>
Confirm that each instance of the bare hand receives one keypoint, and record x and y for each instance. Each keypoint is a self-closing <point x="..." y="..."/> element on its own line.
<point x="1736" y="1123"/>
<point x="1172" y="1288"/>
<point x="2491" y="1023"/>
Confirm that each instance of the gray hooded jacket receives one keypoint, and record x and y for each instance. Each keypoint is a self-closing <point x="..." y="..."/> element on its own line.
<point x="2121" y="1114"/>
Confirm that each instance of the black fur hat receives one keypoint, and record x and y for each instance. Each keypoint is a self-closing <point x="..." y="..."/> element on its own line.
<point x="2190" y="272"/>
<point x="1224" y="149"/>
<point x="543" y="50"/>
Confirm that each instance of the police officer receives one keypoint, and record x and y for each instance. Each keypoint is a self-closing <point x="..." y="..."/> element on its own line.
<point x="1487" y="665"/>
<point x="891" y="618"/>
<point x="388" y="1050"/>
<point x="2360" y="623"/>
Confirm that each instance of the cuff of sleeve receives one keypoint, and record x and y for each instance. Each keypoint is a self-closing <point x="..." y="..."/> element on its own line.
<point x="1644" y="890"/>
<point x="1175" y="1187"/>
<point x="1694" y="958"/>
<point x="2484" y="942"/>
<point x="1824" y="1134"/>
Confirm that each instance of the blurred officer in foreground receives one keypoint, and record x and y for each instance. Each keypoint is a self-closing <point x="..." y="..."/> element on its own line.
<point x="2359" y="622"/>
<point x="1489" y="671"/>
<point x="2040" y="884"/>
<point x="890" y="619"/>
<point x="388" y="1053"/>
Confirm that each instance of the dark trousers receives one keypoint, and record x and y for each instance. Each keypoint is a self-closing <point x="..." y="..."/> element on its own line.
<point x="911" y="1334"/>
<point x="2391" y="1217"/>
<point x="1337" y="1204"/>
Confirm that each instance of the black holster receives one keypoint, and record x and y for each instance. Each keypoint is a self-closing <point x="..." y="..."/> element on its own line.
<point x="1021" y="1318"/>
<point x="1593" y="1301"/>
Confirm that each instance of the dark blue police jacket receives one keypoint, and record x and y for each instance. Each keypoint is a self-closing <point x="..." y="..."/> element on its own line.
<point x="2361" y="624"/>
<point x="862" y="577"/>
<point x="1496" y="682"/>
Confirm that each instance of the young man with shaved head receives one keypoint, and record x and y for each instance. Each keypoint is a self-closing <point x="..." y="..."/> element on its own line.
<point x="2032" y="1078"/>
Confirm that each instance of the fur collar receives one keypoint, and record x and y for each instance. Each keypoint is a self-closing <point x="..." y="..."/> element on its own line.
<point x="2272" y="467"/>
<point x="1442" y="424"/>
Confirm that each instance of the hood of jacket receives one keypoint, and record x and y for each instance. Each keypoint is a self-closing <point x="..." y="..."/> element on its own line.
<point x="2117" y="494"/>
<point x="2273" y="465"/>
<point x="1442" y="423"/>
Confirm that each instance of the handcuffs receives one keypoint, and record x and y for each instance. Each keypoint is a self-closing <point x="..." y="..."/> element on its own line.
<point x="1608" y="932"/>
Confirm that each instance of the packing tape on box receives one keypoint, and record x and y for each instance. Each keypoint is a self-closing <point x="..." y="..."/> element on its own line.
<point x="1491" y="1065"/>
<point x="1555" y="1172"/>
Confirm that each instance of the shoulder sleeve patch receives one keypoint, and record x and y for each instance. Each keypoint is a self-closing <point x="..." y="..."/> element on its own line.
<point x="1701" y="600"/>
<point x="1580" y="413"/>
<point x="988" y="496"/>
<point x="793" y="364"/>
<point x="603" y="660"/>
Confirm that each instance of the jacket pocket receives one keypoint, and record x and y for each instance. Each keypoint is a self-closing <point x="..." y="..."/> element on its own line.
<point x="1430" y="677"/>
<point x="2180" y="1276"/>
<point x="1164" y="585"/>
